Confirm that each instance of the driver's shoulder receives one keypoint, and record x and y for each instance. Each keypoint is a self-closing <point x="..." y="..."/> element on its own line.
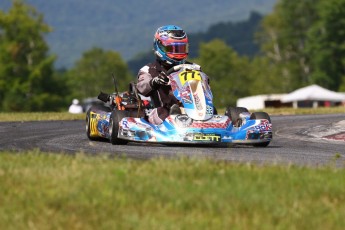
<point x="146" y="68"/>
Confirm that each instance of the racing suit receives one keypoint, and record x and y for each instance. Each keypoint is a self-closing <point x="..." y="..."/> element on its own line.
<point x="161" y="96"/>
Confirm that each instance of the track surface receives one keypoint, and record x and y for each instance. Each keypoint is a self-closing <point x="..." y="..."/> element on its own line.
<point x="296" y="139"/>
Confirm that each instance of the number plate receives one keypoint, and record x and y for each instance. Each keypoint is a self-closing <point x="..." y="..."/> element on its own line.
<point x="188" y="75"/>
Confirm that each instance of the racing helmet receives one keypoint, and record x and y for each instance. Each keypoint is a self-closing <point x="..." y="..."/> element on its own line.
<point x="170" y="44"/>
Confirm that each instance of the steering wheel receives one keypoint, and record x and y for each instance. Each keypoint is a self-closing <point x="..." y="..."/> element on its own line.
<point x="183" y="66"/>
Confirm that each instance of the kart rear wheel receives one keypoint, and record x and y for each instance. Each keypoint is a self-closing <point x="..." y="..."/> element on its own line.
<point x="88" y="126"/>
<point x="260" y="115"/>
<point x="234" y="114"/>
<point x="115" y="117"/>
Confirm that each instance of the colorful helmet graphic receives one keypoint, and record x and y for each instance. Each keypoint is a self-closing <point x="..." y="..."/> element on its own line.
<point x="170" y="44"/>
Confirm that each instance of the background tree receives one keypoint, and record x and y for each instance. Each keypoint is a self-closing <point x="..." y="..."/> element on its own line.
<point x="305" y="40"/>
<point x="227" y="72"/>
<point x="326" y="45"/>
<point x="265" y="77"/>
<point x="283" y="38"/>
<point x="26" y="69"/>
<point x="92" y="73"/>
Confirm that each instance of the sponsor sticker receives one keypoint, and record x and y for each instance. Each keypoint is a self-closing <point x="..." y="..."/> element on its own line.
<point x="125" y="124"/>
<point x="209" y="110"/>
<point x="207" y="137"/>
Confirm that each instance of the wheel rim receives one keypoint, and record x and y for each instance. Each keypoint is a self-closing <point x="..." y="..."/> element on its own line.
<point x="110" y="127"/>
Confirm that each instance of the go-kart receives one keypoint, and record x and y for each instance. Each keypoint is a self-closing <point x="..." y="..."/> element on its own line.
<point x="197" y="122"/>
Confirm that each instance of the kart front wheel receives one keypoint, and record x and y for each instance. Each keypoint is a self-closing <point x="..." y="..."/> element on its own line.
<point x="234" y="114"/>
<point x="115" y="117"/>
<point x="260" y="115"/>
<point x="215" y="112"/>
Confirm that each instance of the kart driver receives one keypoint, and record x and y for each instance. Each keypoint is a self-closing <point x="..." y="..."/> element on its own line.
<point x="170" y="45"/>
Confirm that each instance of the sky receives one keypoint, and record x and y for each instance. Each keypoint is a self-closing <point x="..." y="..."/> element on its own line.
<point x="127" y="26"/>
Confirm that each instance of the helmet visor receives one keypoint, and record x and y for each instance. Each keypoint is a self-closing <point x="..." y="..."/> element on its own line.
<point x="175" y="48"/>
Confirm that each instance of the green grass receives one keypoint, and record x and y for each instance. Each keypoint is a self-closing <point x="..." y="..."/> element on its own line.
<point x="299" y="111"/>
<point x="40" y="116"/>
<point x="303" y="111"/>
<point x="57" y="191"/>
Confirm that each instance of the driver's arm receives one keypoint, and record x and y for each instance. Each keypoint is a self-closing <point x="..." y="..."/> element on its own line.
<point x="143" y="85"/>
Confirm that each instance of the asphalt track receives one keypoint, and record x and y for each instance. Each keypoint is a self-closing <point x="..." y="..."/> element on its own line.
<point x="313" y="140"/>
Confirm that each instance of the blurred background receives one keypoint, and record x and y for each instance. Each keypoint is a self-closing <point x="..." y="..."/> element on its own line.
<point x="52" y="52"/>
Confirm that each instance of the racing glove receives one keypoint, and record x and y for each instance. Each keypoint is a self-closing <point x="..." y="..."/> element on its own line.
<point x="160" y="80"/>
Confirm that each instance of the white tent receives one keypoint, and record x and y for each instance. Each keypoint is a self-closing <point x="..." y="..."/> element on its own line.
<point x="313" y="93"/>
<point x="258" y="101"/>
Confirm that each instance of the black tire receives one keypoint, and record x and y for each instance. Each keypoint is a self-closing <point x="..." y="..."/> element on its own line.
<point x="234" y="114"/>
<point x="215" y="112"/>
<point x="88" y="126"/>
<point x="260" y="115"/>
<point x="115" y="117"/>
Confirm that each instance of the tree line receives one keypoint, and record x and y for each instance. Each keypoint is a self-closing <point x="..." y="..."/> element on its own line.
<point x="299" y="43"/>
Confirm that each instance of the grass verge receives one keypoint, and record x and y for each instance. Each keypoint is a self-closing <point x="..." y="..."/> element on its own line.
<point x="40" y="116"/>
<point x="57" y="191"/>
<point x="304" y="111"/>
